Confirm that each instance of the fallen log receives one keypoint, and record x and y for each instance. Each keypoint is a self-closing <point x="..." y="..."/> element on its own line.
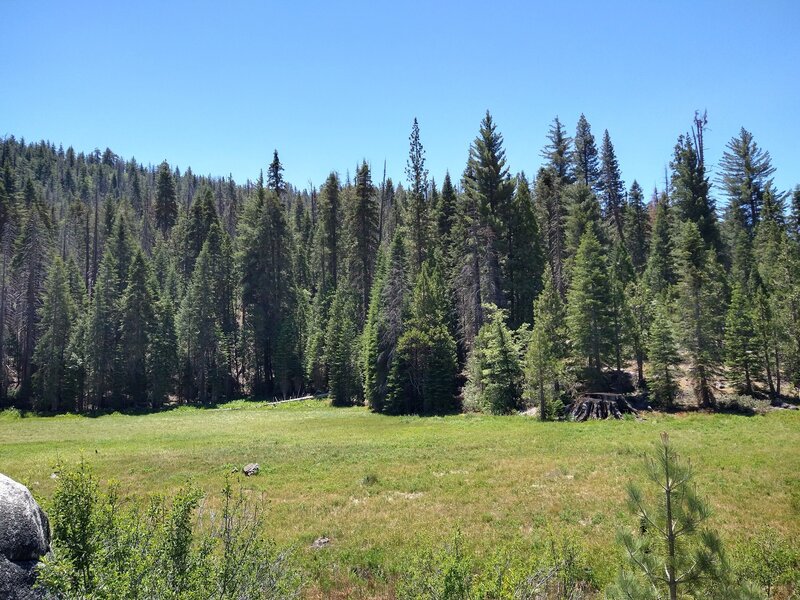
<point x="600" y="406"/>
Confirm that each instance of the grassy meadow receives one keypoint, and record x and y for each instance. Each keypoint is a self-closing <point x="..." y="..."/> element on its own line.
<point x="382" y="487"/>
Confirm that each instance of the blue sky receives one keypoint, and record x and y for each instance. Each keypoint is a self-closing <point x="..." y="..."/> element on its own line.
<point x="218" y="85"/>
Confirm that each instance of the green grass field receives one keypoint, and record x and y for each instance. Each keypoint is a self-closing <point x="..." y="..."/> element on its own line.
<point x="380" y="487"/>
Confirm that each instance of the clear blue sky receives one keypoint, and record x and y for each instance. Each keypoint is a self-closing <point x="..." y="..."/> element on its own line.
<point x="218" y="85"/>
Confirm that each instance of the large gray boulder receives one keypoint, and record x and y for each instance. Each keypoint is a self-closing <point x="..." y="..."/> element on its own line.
<point x="24" y="538"/>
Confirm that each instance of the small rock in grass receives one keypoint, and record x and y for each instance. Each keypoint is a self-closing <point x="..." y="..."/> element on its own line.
<point x="250" y="469"/>
<point x="320" y="543"/>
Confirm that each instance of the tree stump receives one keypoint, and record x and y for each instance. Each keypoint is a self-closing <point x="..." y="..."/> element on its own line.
<point x="600" y="406"/>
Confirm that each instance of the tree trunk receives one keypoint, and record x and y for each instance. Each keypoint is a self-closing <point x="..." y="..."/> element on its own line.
<point x="600" y="406"/>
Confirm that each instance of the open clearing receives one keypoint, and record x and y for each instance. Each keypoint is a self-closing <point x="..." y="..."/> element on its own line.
<point x="379" y="487"/>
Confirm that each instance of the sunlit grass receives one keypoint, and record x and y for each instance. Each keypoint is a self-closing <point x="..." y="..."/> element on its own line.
<point x="381" y="486"/>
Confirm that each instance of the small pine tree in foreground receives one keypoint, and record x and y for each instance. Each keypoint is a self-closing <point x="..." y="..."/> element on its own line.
<point x="673" y="555"/>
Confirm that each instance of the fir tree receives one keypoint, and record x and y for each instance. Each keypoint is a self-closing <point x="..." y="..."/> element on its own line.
<point x="416" y="208"/>
<point x="636" y="228"/>
<point x="330" y="216"/>
<point x="588" y="301"/>
<point x="204" y="322"/>
<point x="524" y="263"/>
<point x="557" y="152"/>
<point x="268" y="287"/>
<point x="446" y="214"/>
<point x="137" y="320"/>
<point x="612" y="187"/>
<point x="374" y="383"/>
<point x="362" y="225"/>
<point x="423" y="375"/>
<point x="660" y="273"/>
<point x="341" y="356"/>
<point x="162" y="359"/>
<point x="546" y="350"/>
<point x="621" y="275"/>
<point x="740" y="354"/>
<point x="29" y="267"/>
<point x="584" y="215"/>
<point x="202" y="215"/>
<point x="701" y="309"/>
<point x="102" y="336"/>
<point x="488" y="184"/>
<point x="56" y="323"/>
<point x="690" y="191"/>
<point x="495" y="368"/>
<point x="662" y="350"/>
<point x="746" y="172"/>
<point x="275" y="176"/>
<point x="166" y="207"/>
<point x="549" y="202"/>
<point x="585" y="160"/>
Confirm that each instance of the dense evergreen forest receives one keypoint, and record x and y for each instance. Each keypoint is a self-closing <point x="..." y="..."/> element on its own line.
<point x="126" y="287"/>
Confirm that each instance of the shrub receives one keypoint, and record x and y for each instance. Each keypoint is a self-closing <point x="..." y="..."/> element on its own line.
<point x="102" y="549"/>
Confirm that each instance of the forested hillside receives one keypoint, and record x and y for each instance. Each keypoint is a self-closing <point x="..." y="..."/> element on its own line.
<point x="127" y="286"/>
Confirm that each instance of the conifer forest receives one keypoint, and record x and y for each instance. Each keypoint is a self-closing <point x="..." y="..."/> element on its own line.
<point x="132" y="287"/>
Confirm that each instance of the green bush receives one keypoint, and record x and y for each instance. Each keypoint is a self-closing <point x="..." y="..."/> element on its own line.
<point x="171" y="550"/>
<point x="557" y="572"/>
<point x="770" y="561"/>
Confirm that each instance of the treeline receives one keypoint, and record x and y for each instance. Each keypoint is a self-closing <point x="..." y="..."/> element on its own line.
<point x="125" y="286"/>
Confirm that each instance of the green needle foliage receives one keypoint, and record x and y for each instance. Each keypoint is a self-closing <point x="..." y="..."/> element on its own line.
<point x="673" y="555"/>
